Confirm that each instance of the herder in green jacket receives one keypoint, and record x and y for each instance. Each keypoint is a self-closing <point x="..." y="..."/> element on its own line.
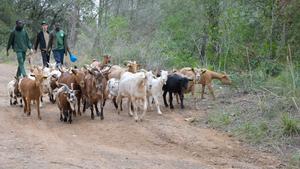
<point x="19" y="42"/>
<point x="58" y="44"/>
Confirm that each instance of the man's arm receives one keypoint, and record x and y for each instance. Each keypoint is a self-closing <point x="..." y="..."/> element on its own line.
<point x="29" y="44"/>
<point x="10" y="41"/>
<point x="49" y="47"/>
<point x="67" y="49"/>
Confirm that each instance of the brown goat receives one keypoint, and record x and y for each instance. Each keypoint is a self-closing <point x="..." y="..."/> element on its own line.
<point x="74" y="81"/>
<point x="96" y="64"/>
<point x="206" y="80"/>
<point x="32" y="90"/>
<point x="66" y="101"/>
<point x="96" y="82"/>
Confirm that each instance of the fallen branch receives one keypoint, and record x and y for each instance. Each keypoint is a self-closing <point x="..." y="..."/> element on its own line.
<point x="293" y="98"/>
<point x="269" y="91"/>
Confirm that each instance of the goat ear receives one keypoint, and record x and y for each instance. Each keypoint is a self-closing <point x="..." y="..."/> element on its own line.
<point x="91" y="72"/>
<point x="74" y="71"/>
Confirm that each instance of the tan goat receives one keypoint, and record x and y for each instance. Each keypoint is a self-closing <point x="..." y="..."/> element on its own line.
<point x="206" y="80"/>
<point x="116" y="71"/>
<point x="32" y="90"/>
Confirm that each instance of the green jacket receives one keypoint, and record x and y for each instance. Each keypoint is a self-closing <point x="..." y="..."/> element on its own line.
<point x="58" y="41"/>
<point x="19" y="41"/>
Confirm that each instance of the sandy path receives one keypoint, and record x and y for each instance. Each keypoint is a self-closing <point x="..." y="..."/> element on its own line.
<point x="165" y="141"/>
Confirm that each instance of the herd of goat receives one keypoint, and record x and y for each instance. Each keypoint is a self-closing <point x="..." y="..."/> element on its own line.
<point x="93" y="84"/>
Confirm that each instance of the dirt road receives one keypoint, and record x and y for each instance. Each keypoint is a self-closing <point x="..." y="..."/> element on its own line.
<point x="161" y="141"/>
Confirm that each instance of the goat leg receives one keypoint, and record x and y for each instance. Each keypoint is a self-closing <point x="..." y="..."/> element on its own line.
<point x="155" y="98"/>
<point x="38" y="109"/>
<point x="211" y="91"/>
<point x="165" y="101"/>
<point x="97" y="110"/>
<point x="61" y="115"/>
<point x="121" y="105"/>
<point x="92" y="112"/>
<point x="202" y="93"/>
<point x="28" y="101"/>
<point x="70" y="116"/>
<point x="181" y="99"/>
<point x="144" y="108"/>
<point x="102" y="106"/>
<point x="25" y="107"/>
<point x="136" y="118"/>
<point x="78" y="104"/>
<point x="129" y="102"/>
<point x="171" y="100"/>
<point x="115" y="103"/>
<point x="21" y="102"/>
<point x="177" y="99"/>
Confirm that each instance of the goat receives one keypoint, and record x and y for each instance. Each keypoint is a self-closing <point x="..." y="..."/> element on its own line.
<point x="32" y="90"/>
<point x="95" y="83"/>
<point x="117" y="71"/>
<point x="190" y="73"/>
<point x="175" y="84"/>
<point x="98" y="65"/>
<point x="66" y="102"/>
<point x="206" y="80"/>
<point x="133" y="86"/>
<point x="154" y="89"/>
<point x="14" y="92"/>
<point x="75" y="81"/>
<point x="112" y="90"/>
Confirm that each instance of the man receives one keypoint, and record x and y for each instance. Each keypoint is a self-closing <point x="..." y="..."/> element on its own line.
<point x="19" y="41"/>
<point x="42" y="39"/>
<point x="58" y="44"/>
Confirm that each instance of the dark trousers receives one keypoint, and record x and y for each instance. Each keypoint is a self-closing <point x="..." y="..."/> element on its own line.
<point x="59" y="56"/>
<point x="46" y="58"/>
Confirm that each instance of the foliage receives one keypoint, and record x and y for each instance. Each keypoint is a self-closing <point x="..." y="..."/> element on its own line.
<point x="290" y="125"/>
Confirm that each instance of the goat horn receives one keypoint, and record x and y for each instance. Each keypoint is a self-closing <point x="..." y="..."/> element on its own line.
<point x="66" y="86"/>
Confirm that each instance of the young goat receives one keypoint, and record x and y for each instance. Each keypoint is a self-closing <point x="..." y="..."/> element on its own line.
<point x="14" y="92"/>
<point x="206" y="80"/>
<point x="154" y="87"/>
<point x="66" y="102"/>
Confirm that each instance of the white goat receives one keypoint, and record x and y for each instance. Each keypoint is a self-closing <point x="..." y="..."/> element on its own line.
<point x="13" y="92"/>
<point x="155" y="87"/>
<point x="133" y="86"/>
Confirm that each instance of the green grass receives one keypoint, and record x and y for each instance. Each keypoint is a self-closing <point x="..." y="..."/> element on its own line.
<point x="294" y="162"/>
<point x="290" y="125"/>
<point x="219" y="120"/>
<point x="253" y="132"/>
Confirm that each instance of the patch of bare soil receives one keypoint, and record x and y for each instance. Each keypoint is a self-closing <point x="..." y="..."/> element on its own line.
<point x="160" y="141"/>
